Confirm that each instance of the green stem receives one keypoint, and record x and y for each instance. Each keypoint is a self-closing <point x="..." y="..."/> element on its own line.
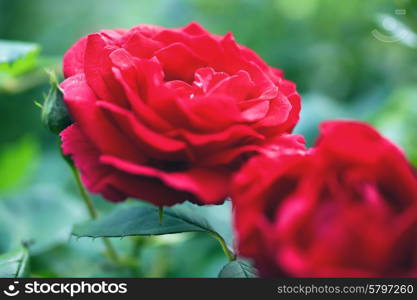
<point x="229" y="254"/>
<point x="161" y="214"/>
<point x="111" y="252"/>
<point x="88" y="202"/>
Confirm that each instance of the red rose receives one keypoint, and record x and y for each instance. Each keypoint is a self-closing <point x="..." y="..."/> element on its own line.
<point x="167" y="115"/>
<point x="347" y="207"/>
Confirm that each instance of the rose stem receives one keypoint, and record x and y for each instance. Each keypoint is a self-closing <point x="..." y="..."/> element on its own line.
<point x="161" y="214"/>
<point x="93" y="214"/>
<point x="229" y="254"/>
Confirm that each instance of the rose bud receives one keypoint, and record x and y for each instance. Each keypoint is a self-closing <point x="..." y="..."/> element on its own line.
<point x="168" y="115"/>
<point x="345" y="208"/>
<point x="54" y="114"/>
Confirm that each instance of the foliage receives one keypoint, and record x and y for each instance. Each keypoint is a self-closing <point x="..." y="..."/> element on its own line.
<point x="17" y="162"/>
<point x="238" y="269"/>
<point x="14" y="263"/>
<point x="325" y="46"/>
<point x="17" y="57"/>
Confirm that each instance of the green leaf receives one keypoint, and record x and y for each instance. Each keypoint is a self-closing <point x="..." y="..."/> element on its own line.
<point x="17" y="161"/>
<point x="144" y="220"/>
<point x="54" y="112"/>
<point x="238" y="269"/>
<point x="14" y="264"/>
<point x="17" y="57"/>
<point x="42" y="215"/>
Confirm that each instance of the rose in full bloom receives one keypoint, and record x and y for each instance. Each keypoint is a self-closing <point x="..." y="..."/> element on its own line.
<point x="168" y="115"/>
<point x="347" y="207"/>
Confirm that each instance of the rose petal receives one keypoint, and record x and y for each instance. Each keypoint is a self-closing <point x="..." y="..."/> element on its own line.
<point x="139" y="45"/>
<point x="179" y="62"/>
<point x="194" y="29"/>
<point x="207" y="78"/>
<point x="279" y="110"/>
<point x="150" y="142"/>
<point x="208" y="185"/>
<point x="237" y="86"/>
<point x="73" y="61"/>
<point x="98" y="71"/>
<point x="217" y="141"/>
<point x="86" y="158"/>
<point x="129" y="77"/>
<point x="81" y="103"/>
<point x="203" y="112"/>
<point x="146" y="188"/>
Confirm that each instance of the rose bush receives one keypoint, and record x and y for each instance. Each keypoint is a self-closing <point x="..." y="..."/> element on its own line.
<point x="347" y="207"/>
<point x="168" y="115"/>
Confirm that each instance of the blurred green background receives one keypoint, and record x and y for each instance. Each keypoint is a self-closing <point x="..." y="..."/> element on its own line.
<point x="350" y="59"/>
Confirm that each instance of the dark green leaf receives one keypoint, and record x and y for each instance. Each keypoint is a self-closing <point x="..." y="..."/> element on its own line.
<point x="54" y="112"/>
<point x="14" y="264"/>
<point x="144" y="220"/>
<point x="238" y="269"/>
<point x="17" y="57"/>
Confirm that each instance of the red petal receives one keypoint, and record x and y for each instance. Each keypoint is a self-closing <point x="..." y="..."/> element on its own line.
<point x="207" y="78"/>
<point x="139" y="45"/>
<point x="146" y="188"/>
<point x="215" y="141"/>
<point x="208" y="185"/>
<point x="237" y="86"/>
<point x="279" y="110"/>
<point x="254" y="110"/>
<point x="112" y="183"/>
<point x="179" y="62"/>
<point x="86" y="158"/>
<point x="229" y="156"/>
<point x="203" y="112"/>
<point x="113" y="36"/>
<point x="194" y="29"/>
<point x="98" y="70"/>
<point x="206" y="46"/>
<point x="129" y="77"/>
<point x="150" y="142"/>
<point x="147" y="30"/>
<point x="339" y="136"/>
<point x="73" y="62"/>
<point x="81" y="103"/>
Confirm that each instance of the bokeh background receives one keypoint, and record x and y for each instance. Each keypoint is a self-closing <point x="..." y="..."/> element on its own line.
<point x="350" y="59"/>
